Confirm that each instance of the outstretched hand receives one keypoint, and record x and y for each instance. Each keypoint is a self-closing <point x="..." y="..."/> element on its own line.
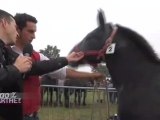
<point x="75" y="56"/>
<point x="98" y="76"/>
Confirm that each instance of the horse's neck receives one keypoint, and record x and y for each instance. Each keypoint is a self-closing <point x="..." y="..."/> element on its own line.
<point x="129" y="64"/>
<point x="128" y="36"/>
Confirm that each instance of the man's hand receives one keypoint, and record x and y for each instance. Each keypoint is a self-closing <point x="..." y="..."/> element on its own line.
<point x="23" y="63"/>
<point x="75" y="56"/>
<point x="98" y="76"/>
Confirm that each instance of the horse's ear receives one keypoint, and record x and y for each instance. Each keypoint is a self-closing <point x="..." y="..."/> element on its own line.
<point x="101" y="19"/>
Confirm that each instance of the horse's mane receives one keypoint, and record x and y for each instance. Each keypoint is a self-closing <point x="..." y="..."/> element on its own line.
<point x="140" y="41"/>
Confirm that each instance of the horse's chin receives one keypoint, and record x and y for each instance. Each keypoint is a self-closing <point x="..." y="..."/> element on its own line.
<point x="94" y="64"/>
<point x="74" y="65"/>
<point x="84" y="62"/>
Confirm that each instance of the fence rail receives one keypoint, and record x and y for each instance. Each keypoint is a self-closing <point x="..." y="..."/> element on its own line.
<point x="75" y="87"/>
<point x="67" y="103"/>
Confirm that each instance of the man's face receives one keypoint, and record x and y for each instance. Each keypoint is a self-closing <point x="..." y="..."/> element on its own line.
<point x="27" y="34"/>
<point x="11" y="32"/>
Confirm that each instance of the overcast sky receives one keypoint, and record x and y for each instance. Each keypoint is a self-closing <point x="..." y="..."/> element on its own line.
<point x="65" y="22"/>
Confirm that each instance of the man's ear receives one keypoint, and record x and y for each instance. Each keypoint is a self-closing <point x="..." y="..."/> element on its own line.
<point x="4" y="23"/>
<point x="18" y="30"/>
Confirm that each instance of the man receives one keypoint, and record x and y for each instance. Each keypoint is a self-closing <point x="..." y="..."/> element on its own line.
<point x="26" y="27"/>
<point x="13" y="67"/>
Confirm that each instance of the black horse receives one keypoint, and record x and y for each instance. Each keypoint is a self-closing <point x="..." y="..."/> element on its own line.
<point x="133" y="65"/>
<point x="48" y="80"/>
<point x="79" y="93"/>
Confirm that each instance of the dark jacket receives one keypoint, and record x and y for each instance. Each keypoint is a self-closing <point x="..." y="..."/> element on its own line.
<point x="11" y="80"/>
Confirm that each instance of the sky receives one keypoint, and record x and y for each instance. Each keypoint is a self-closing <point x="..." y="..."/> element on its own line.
<point x="65" y="22"/>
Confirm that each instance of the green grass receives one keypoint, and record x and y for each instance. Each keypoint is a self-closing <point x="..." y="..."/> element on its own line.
<point x="92" y="111"/>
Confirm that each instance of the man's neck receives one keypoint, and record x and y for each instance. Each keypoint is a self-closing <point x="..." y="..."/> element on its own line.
<point x="19" y="46"/>
<point x="3" y="38"/>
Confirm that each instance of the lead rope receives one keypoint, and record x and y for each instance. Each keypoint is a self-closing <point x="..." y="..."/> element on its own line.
<point x="93" y="107"/>
<point x="107" y="97"/>
<point x="99" y="100"/>
<point x="108" y="104"/>
<point x="95" y="86"/>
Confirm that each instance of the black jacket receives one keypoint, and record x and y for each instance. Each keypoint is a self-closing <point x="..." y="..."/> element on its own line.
<point x="11" y="80"/>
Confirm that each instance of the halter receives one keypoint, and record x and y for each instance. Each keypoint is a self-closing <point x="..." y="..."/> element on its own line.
<point x="100" y="53"/>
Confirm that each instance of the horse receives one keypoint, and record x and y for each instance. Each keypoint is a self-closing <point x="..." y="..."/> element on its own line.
<point x="79" y="93"/>
<point x="133" y="65"/>
<point x="48" y="80"/>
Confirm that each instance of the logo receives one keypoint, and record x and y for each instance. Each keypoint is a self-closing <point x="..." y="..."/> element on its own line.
<point x="13" y="98"/>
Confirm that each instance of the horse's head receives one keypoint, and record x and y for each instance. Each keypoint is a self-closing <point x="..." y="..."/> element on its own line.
<point x="98" y="43"/>
<point x="95" y="44"/>
<point x="121" y="47"/>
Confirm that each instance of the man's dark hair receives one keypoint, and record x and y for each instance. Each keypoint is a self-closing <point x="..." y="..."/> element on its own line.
<point x="5" y="15"/>
<point x="22" y="19"/>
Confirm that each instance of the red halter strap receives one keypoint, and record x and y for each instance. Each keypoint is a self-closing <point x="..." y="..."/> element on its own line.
<point x="100" y="53"/>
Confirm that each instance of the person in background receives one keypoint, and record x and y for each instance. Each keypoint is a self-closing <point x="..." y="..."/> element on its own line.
<point x="26" y="27"/>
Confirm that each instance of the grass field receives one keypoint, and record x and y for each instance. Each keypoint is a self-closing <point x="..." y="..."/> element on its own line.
<point x="92" y="111"/>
